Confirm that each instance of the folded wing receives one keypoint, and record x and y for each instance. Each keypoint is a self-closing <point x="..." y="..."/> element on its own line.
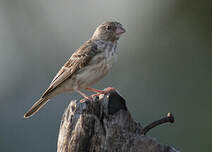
<point x="77" y="61"/>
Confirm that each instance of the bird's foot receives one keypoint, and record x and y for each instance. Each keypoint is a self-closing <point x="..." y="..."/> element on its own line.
<point x="109" y="89"/>
<point x="95" y="95"/>
<point x="105" y="91"/>
<point x="86" y="98"/>
<point x="100" y="92"/>
<point x="84" y="95"/>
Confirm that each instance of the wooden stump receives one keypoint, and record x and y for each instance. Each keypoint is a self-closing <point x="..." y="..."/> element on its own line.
<point x="104" y="125"/>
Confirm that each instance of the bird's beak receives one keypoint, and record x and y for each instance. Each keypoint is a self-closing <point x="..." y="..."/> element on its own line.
<point x="120" y="30"/>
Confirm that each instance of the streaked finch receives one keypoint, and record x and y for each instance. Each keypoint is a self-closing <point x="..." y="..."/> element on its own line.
<point x="86" y="66"/>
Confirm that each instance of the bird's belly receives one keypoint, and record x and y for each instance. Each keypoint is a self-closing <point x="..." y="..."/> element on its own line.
<point x="88" y="76"/>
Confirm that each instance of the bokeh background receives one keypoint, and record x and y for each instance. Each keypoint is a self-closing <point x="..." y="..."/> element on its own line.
<point x="164" y="65"/>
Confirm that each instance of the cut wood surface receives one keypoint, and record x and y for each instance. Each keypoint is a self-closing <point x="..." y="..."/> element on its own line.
<point x="104" y="125"/>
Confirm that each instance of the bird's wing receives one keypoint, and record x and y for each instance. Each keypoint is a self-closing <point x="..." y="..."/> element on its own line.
<point x="77" y="61"/>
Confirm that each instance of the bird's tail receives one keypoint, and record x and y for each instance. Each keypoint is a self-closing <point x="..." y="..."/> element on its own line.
<point x="39" y="104"/>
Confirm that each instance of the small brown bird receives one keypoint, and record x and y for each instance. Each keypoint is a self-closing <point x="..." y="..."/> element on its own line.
<point x="86" y="66"/>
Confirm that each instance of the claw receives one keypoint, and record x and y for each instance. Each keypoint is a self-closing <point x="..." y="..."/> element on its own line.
<point x="94" y="95"/>
<point x="82" y="100"/>
<point x="86" y="98"/>
<point x="109" y="89"/>
<point x="105" y="91"/>
<point x="99" y="92"/>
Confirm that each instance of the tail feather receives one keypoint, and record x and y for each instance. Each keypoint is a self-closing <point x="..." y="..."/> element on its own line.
<point x="39" y="104"/>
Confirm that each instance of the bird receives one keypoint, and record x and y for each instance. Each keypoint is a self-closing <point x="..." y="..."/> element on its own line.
<point x="87" y="65"/>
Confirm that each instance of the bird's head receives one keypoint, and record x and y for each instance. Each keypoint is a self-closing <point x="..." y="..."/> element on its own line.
<point x="108" y="31"/>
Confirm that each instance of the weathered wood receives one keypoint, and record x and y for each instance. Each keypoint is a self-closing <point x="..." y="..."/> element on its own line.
<point x="104" y="125"/>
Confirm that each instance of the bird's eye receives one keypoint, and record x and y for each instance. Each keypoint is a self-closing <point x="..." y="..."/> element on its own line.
<point x="108" y="27"/>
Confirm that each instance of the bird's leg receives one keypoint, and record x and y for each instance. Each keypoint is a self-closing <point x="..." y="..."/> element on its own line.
<point x="109" y="89"/>
<point x="105" y="91"/>
<point x="95" y="90"/>
<point x="84" y="95"/>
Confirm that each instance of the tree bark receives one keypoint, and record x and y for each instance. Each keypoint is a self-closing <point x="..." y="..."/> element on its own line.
<point x="104" y="125"/>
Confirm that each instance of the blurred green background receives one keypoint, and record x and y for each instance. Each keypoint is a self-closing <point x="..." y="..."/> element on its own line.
<point x="164" y="65"/>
